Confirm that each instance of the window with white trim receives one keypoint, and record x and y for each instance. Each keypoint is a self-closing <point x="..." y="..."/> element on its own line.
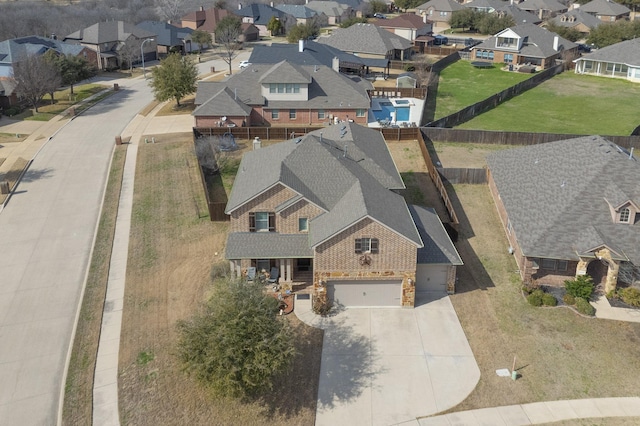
<point x="303" y="224"/>
<point x="321" y="114"/>
<point x="360" y="112"/>
<point x="292" y="114"/>
<point x="367" y="245"/>
<point x="275" y="114"/>
<point x="262" y="222"/>
<point x="625" y="213"/>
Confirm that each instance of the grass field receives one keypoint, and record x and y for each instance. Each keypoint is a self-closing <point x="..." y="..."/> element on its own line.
<point x="172" y="248"/>
<point x="568" y="103"/>
<point x="62" y="99"/>
<point x="461" y="85"/>
<point x="560" y="355"/>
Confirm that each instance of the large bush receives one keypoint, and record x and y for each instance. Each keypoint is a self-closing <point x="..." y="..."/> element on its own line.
<point x="549" y="300"/>
<point x="630" y="296"/>
<point x="581" y="286"/>
<point x="535" y="298"/>
<point x="569" y="299"/>
<point x="584" y="307"/>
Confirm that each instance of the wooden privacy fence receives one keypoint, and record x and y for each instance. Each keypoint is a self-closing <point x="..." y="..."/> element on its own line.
<point x="437" y="180"/>
<point x="280" y="133"/>
<point x="460" y="175"/>
<point x="514" y="138"/>
<point x="216" y="208"/>
<point x="398" y="92"/>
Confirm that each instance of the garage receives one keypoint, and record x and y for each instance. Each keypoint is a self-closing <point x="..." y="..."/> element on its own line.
<point x="365" y="293"/>
<point x="431" y="278"/>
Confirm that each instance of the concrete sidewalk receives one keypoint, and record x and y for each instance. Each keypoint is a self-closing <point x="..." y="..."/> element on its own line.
<point x="538" y="413"/>
<point x="605" y="311"/>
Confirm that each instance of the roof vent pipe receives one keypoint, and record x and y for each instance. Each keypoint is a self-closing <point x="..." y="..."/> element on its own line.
<point x="301" y="45"/>
<point x="630" y="153"/>
<point x="556" y="42"/>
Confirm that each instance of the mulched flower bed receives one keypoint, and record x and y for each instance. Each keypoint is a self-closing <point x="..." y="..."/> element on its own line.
<point x="618" y="303"/>
<point x="557" y="292"/>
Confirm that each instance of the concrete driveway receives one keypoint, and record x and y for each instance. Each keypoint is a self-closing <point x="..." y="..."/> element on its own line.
<point x="387" y="366"/>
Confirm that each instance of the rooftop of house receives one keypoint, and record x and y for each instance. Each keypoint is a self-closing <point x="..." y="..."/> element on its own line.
<point x="261" y="13"/>
<point x="166" y="34"/>
<point x="206" y="19"/>
<point x="575" y="17"/>
<point x="443" y="5"/>
<point x="605" y="7"/>
<point x="15" y="49"/>
<point x="299" y="11"/>
<point x="344" y="169"/>
<point x="406" y="20"/>
<point x="365" y="38"/>
<point x="626" y="52"/>
<point x="557" y="196"/>
<point x="327" y="88"/>
<point x="519" y="16"/>
<point x="535" y="5"/>
<point x="437" y="246"/>
<point x="537" y="41"/>
<point x="485" y="4"/>
<point x="328" y="7"/>
<point x="108" y="32"/>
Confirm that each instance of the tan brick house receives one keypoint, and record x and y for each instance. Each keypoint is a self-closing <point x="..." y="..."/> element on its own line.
<point x="570" y="208"/>
<point x="282" y="94"/>
<point x="324" y="210"/>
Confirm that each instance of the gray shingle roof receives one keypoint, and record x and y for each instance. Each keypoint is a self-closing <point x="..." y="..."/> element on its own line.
<point x="297" y="11"/>
<point x="258" y="245"/>
<point x="555" y="192"/>
<point x="575" y="17"/>
<point x="484" y="4"/>
<point x="605" y="7"/>
<point x="166" y="34"/>
<point x="438" y="247"/>
<point x="328" y="88"/>
<point x="441" y="5"/>
<point x="535" y="5"/>
<point x="261" y="13"/>
<point x="14" y="50"/>
<point x="107" y="32"/>
<point x="223" y="102"/>
<point x="519" y="16"/>
<point x="329" y="8"/>
<point x="538" y="42"/>
<point x="626" y="52"/>
<point x="365" y="38"/>
<point x="285" y="72"/>
<point x="350" y="186"/>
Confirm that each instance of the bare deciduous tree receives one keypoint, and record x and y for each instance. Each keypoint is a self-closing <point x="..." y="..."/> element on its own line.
<point x="227" y="33"/>
<point x="170" y="10"/>
<point x="129" y="52"/>
<point x="35" y="77"/>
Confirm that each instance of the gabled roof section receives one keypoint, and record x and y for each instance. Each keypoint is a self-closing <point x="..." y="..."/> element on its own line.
<point x="207" y="19"/>
<point x="297" y="11"/>
<point x="261" y="13"/>
<point x="166" y="34"/>
<point x="328" y="7"/>
<point x="575" y="17"/>
<point x="224" y="102"/>
<point x="285" y="72"/>
<point x="107" y="32"/>
<point x="605" y="7"/>
<point x="438" y="247"/>
<point x="406" y="20"/>
<point x="365" y="38"/>
<point x="441" y="5"/>
<point x="537" y="42"/>
<point x="16" y="49"/>
<point x="535" y="5"/>
<point x="484" y="4"/>
<point x="626" y="52"/>
<point x="519" y="16"/>
<point x="555" y="191"/>
<point x="345" y="170"/>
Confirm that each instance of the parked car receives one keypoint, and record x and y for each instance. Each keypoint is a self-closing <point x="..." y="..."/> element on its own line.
<point x="244" y="64"/>
<point x="440" y="40"/>
<point x="379" y="16"/>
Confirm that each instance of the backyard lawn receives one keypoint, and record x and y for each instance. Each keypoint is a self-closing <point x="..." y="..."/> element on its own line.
<point x="461" y="85"/>
<point x="568" y="103"/>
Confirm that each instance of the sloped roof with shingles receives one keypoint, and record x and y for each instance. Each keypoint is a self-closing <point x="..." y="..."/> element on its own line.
<point x="535" y="5"/>
<point x="285" y="72"/>
<point x="519" y="16"/>
<point x="537" y="41"/>
<point x="555" y="195"/>
<point x="575" y="17"/>
<point x="166" y="34"/>
<point x="406" y="20"/>
<point x="254" y="245"/>
<point x="626" y="52"/>
<point x="344" y="169"/>
<point x="438" y="247"/>
<point x="223" y="102"/>
<point x="16" y="49"/>
<point x="329" y="8"/>
<point x="605" y="7"/>
<point x="365" y="38"/>
<point x="207" y="20"/>
<point x="441" y="5"/>
<point x="298" y="11"/>
<point x="107" y="32"/>
<point x="261" y="13"/>
<point x="484" y="4"/>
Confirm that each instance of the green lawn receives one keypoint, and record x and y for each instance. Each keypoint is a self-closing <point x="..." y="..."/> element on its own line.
<point x="462" y="85"/>
<point x="568" y="103"/>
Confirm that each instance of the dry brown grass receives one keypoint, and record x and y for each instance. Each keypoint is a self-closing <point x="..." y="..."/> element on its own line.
<point x="464" y="155"/>
<point x="187" y="106"/>
<point x="171" y="251"/>
<point x="13" y="174"/>
<point x="12" y="137"/>
<point x="78" y="399"/>
<point x="560" y="355"/>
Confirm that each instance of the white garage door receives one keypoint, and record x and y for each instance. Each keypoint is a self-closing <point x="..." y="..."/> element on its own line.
<point x="365" y="293"/>
<point x="431" y="278"/>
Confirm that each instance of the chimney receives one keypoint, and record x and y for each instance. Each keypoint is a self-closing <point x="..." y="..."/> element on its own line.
<point x="54" y="36"/>
<point x="271" y="4"/>
<point x="335" y="64"/>
<point x="301" y="45"/>
<point x="239" y="6"/>
<point x="556" y="41"/>
<point x="424" y="18"/>
<point x="257" y="143"/>
<point x="201" y="9"/>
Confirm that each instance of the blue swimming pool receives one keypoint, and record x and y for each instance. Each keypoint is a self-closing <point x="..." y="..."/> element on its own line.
<point x="385" y="112"/>
<point x="402" y="113"/>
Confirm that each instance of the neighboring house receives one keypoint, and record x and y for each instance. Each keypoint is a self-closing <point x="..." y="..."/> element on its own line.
<point x="335" y="12"/>
<point x="207" y="20"/>
<point x="260" y="14"/>
<point x="543" y="9"/>
<point x="518" y="15"/>
<point x="578" y="20"/>
<point x="439" y="11"/>
<point x="620" y="60"/>
<point x="308" y="52"/>
<point x="486" y="6"/>
<point x="304" y="15"/>
<point x="407" y="25"/>
<point x="169" y="38"/>
<point x="370" y="41"/>
<point x="15" y="50"/>
<point x="282" y="94"/>
<point x="323" y="209"/>
<point x="569" y="208"/>
<point x="606" y="10"/>
<point x="525" y="44"/>
<point x="114" y="41"/>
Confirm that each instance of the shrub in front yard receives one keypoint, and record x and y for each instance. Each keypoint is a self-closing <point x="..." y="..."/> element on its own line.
<point x="321" y="306"/>
<point x="581" y="286"/>
<point x="549" y="300"/>
<point x="630" y="296"/>
<point x="583" y="306"/>
<point x="569" y="299"/>
<point x="535" y="298"/>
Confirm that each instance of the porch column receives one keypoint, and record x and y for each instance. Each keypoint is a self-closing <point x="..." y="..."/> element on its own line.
<point x="581" y="269"/>
<point x="612" y="276"/>
<point x="289" y="263"/>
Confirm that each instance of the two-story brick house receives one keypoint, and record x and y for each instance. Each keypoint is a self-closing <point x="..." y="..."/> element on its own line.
<point x="282" y="94"/>
<point x="324" y="209"/>
<point x="570" y="208"/>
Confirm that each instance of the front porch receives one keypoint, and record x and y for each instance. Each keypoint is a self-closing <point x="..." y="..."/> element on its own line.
<point x="295" y="274"/>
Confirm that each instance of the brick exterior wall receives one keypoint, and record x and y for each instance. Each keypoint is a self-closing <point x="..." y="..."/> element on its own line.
<point x="265" y="202"/>
<point x="287" y="220"/>
<point x="304" y="117"/>
<point x="209" y="121"/>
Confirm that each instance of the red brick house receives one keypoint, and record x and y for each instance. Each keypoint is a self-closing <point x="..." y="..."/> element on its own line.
<point x="323" y="210"/>
<point x="282" y="94"/>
